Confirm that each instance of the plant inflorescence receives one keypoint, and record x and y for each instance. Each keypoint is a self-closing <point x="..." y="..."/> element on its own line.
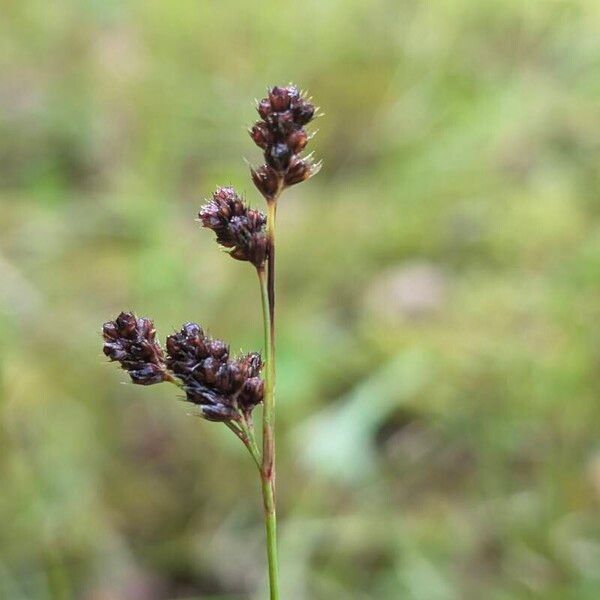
<point x="227" y="388"/>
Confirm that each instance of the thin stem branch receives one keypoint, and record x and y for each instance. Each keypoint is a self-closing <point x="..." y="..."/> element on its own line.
<point x="252" y="437"/>
<point x="247" y="436"/>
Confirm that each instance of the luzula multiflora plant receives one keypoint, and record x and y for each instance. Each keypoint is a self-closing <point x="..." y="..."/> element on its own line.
<point x="225" y="388"/>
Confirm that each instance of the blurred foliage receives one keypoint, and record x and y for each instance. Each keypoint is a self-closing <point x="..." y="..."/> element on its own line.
<point x="439" y="285"/>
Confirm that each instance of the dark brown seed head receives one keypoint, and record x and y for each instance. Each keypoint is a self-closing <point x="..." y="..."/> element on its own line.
<point x="236" y="226"/>
<point x="223" y="387"/>
<point x="282" y="137"/>
<point x="131" y="342"/>
<point x="281" y="100"/>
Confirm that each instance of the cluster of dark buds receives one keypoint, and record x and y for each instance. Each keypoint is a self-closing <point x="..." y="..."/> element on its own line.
<point x="225" y="388"/>
<point x="281" y="135"/>
<point x="222" y="386"/>
<point x="132" y="343"/>
<point x="238" y="228"/>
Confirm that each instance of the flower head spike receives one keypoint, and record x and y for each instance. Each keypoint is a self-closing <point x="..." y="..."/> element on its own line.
<point x="281" y="136"/>
<point x="237" y="227"/>
<point x="223" y="387"/>
<point x="131" y="342"/>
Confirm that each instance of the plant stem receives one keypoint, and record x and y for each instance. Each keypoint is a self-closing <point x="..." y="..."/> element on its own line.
<point x="271" y="214"/>
<point x="267" y="472"/>
<point x="244" y="433"/>
<point x="271" y="529"/>
<point x="268" y="304"/>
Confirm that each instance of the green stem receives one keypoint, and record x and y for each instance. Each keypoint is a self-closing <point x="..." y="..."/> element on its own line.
<point x="268" y="304"/>
<point x="267" y="471"/>
<point x="271" y="529"/>
<point x="246" y="434"/>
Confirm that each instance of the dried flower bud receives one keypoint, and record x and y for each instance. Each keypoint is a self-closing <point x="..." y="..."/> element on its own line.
<point x="261" y="135"/>
<point x="300" y="169"/>
<point x="297" y="140"/>
<point x="131" y="342"/>
<point x="264" y="108"/>
<point x="252" y="388"/>
<point x="303" y="112"/>
<point x="223" y="387"/>
<point x="279" y="98"/>
<point x="218" y="412"/>
<point x="266" y="180"/>
<point x="252" y="392"/>
<point x="280" y="124"/>
<point x="237" y="227"/>
<point x="278" y="156"/>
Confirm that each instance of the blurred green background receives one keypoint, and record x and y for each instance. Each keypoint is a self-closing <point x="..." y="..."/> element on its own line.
<point x="439" y="299"/>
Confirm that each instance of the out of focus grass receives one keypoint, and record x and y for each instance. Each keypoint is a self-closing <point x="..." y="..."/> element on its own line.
<point x="439" y="327"/>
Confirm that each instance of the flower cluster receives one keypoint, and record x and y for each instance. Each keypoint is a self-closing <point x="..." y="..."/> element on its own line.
<point x="131" y="342"/>
<point x="223" y="387"/>
<point x="282" y="137"/>
<point x="237" y="227"/>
